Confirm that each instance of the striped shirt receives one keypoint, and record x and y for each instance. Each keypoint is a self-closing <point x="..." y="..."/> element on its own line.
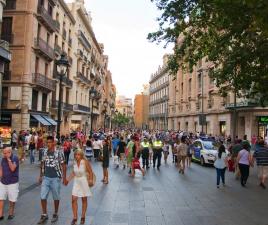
<point x="261" y="156"/>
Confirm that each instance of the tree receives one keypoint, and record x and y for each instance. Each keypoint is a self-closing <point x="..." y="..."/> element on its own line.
<point x="231" y="34"/>
<point x="120" y="120"/>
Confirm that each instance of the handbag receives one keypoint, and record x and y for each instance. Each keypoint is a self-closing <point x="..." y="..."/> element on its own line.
<point x="136" y="163"/>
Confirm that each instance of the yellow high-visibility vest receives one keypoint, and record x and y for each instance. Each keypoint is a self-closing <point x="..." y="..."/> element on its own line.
<point x="145" y="145"/>
<point x="157" y="144"/>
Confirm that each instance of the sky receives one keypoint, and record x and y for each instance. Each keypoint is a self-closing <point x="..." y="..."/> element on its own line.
<point x="122" y="26"/>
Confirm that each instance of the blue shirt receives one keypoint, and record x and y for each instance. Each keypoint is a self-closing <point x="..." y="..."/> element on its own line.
<point x="8" y="176"/>
<point x="115" y="143"/>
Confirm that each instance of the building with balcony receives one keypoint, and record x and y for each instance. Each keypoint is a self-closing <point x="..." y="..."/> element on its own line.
<point x="159" y="97"/>
<point x="124" y="106"/>
<point x="195" y="105"/>
<point x="28" y="81"/>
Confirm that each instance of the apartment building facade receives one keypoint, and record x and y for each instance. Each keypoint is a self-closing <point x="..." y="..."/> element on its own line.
<point x="159" y="97"/>
<point x="39" y="32"/>
<point x="141" y="109"/>
<point x="195" y="94"/>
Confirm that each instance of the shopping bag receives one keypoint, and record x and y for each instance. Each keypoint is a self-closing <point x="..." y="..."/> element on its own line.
<point x="116" y="160"/>
<point x="136" y="163"/>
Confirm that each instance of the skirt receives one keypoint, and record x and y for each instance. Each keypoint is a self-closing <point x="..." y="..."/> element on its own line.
<point x="81" y="188"/>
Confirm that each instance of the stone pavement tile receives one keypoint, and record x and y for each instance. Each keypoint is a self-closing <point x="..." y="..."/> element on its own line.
<point x="190" y="219"/>
<point x="155" y="220"/>
<point x="120" y="218"/>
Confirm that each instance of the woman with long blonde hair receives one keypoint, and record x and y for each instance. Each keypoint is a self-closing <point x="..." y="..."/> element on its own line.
<point x="83" y="175"/>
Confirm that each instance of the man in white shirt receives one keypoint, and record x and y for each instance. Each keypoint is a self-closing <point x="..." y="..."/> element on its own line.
<point x="97" y="146"/>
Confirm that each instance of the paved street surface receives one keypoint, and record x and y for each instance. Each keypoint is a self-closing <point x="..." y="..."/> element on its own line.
<point x="161" y="198"/>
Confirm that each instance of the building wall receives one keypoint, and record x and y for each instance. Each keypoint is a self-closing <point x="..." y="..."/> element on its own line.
<point x="159" y="97"/>
<point x="185" y="106"/>
<point x="141" y="108"/>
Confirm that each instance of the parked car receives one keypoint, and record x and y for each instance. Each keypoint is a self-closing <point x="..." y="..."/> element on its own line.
<point x="204" y="151"/>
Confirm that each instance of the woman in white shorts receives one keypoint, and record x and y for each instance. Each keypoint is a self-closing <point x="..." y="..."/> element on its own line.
<point x="83" y="175"/>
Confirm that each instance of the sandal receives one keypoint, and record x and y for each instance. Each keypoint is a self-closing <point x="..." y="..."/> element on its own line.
<point x="74" y="222"/>
<point x="82" y="220"/>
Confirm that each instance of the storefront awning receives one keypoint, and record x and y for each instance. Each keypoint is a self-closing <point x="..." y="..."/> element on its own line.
<point x="41" y="120"/>
<point x="50" y="120"/>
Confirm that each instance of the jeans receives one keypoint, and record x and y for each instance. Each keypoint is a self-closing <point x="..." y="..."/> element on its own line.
<point x="244" y="170"/>
<point x="157" y="155"/>
<point x="220" y="175"/>
<point x="53" y="185"/>
<point x="31" y="156"/>
<point x="96" y="153"/>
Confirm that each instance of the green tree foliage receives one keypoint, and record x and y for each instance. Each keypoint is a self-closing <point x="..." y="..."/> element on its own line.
<point x="121" y="120"/>
<point x="232" y="34"/>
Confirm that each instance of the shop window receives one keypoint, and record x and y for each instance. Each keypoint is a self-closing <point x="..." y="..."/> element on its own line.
<point x="222" y="128"/>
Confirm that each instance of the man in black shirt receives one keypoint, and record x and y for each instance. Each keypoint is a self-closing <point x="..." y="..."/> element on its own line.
<point x="120" y="152"/>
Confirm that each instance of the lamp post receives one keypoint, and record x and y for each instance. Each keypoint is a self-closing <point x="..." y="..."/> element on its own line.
<point x="62" y="68"/>
<point x="202" y="118"/>
<point x="112" y="113"/>
<point x="92" y="94"/>
<point x="105" y="105"/>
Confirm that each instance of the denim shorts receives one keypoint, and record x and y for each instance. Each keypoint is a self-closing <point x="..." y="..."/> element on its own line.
<point x="50" y="184"/>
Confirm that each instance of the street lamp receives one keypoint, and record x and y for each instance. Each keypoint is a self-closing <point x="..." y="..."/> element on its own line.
<point x="105" y="105"/>
<point x="92" y="94"/>
<point x="62" y="68"/>
<point x="202" y="117"/>
<point x="112" y="112"/>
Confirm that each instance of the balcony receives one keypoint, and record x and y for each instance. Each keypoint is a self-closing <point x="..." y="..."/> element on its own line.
<point x="43" y="82"/>
<point x="65" y="80"/>
<point x="44" y="49"/>
<point x="64" y="34"/>
<point x="81" y="109"/>
<point x="5" y="54"/>
<point x="10" y="5"/>
<point x="57" y="49"/>
<point x="70" y="42"/>
<point x="8" y="38"/>
<point x="82" y="78"/>
<point x="82" y="38"/>
<point x="65" y="106"/>
<point x="45" y="18"/>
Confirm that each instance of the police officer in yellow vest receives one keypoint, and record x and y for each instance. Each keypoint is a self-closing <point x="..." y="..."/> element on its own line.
<point x="145" y="153"/>
<point x="157" y="152"/>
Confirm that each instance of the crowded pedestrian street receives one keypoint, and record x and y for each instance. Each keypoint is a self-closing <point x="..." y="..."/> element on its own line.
<point x="162" y="197"/>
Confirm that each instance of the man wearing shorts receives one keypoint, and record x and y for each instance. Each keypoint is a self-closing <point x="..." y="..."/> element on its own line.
<point x="9" y="185"/>
<point x="52" y="170"/>
<point x="261" y="156"/>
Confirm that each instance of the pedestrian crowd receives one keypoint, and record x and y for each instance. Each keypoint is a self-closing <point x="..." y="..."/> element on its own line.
<point x="131" y="150"/>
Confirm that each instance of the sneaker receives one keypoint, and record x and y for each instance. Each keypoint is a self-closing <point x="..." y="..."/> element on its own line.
<point x="55" y="217"/>
<point x="10" y="217"/>
<point x="43" y="219"/>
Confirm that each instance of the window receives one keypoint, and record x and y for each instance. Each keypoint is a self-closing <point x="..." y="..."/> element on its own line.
<point x="10" y="4"/>
<point x="6" y="32"/>
<point x="36" y="65"/>
<point x="190" y="86"/>
<point x="56" y="39"/>
<point x="41" y="2"/>
<point x="4" y="97"/>
<point x="46" y="69"/>
<point x="48" y="37"/>
<point x="38" y="31"/>
<point x="34" y="100"/>
<point x="67" y="96"/>
<point x="50" y="10"/>
<point x="44" y="102"/>
<point x="199" y="81"/>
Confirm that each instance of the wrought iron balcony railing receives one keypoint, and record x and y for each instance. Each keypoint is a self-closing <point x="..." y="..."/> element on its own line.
<point x="43" y="48"/>
<point x="44" y="16"/>
<point x="43" y="81"/>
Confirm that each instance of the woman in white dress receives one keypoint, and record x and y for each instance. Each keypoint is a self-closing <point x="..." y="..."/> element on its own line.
<point x="82" y="175"/>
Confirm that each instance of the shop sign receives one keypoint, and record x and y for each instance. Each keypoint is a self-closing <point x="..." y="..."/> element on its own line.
<point x="263" y="119"/>
<point x="5" y="120"/>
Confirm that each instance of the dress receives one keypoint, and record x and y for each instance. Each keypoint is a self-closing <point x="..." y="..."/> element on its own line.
<point x="80" y="186"/>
